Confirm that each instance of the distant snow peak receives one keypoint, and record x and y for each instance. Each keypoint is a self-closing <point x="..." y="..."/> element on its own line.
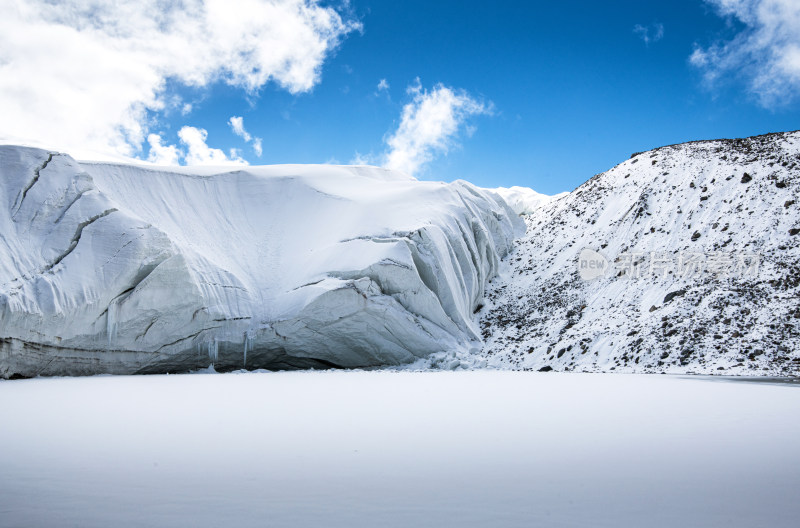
<point x="524" y="200"/>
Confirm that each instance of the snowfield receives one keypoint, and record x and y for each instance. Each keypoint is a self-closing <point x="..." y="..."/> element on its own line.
<point x="122" y="269"/>
<point x="351" y="449"/>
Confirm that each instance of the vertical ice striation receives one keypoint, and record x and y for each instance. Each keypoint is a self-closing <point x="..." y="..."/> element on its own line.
<point x="246" y="342"/>
<point x="111" y="323"/>
<point x="213" y="350"/>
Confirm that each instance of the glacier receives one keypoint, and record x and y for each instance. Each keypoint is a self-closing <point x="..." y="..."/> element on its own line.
<point x="121" y="268"/>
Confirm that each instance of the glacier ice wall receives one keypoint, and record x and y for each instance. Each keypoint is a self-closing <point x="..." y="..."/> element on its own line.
<point x="126" y="269"/>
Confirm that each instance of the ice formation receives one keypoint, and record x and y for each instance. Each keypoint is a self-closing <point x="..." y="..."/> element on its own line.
<point x="110" y="268"/>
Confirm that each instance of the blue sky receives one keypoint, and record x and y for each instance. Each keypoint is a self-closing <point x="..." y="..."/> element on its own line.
<point x="540" y="94"/>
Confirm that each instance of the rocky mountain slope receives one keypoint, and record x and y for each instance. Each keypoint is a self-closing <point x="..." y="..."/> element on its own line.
<point x="682" y="259"/>
<point x="124" y="269"/>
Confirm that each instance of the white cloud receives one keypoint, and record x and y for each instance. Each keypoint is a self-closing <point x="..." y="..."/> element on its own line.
<point x="429" y="126"/>
<point x="415" y="87"/>
<point x="199" y="153"/>
<point x="196" y="151"/>
<point x="162" y="154"/>
<point x="382" y="89"/>
<point x="237" y="125"/>
<point x="765" y="54"/>
<point x="651" y="33"/>
<point x="87" y="75"/>
<point x="362" y="159"/>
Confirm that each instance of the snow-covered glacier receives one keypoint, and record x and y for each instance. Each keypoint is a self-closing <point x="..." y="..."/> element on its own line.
<point x="113" y="268"/>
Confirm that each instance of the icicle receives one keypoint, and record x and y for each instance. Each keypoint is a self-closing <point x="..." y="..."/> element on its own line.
<point x="245" y="349"/>
<point x="111" y="323"/>
<point x="213" y="351"/>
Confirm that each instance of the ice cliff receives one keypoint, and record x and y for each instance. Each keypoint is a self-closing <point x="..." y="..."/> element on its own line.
<point x="108" y="268"/>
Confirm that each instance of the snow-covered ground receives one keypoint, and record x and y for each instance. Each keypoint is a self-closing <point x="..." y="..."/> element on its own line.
<point x="480" y="448"/>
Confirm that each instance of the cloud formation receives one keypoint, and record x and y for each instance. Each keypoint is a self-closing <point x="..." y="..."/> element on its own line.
<point x="161" y="154"/>
<point x="651" y="33"/>
<point x="429" y="126"/>
<point x="195" y="152"/>
<point x="765" y="53"/>
<point x="362" y="159"/>
<point x="87" y="76"/>
<point x="199" y="153"/>
<point x="237" y="125"/>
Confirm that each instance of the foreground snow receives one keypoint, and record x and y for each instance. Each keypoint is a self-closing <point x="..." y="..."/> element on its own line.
<point x="121" y="269"/>
<point x="481" y="448"/>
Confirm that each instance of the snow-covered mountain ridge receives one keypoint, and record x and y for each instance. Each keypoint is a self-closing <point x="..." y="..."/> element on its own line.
<point x="524" y="200"/>
<point x="110" y="268"/>
<point x="691" y="263"/>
